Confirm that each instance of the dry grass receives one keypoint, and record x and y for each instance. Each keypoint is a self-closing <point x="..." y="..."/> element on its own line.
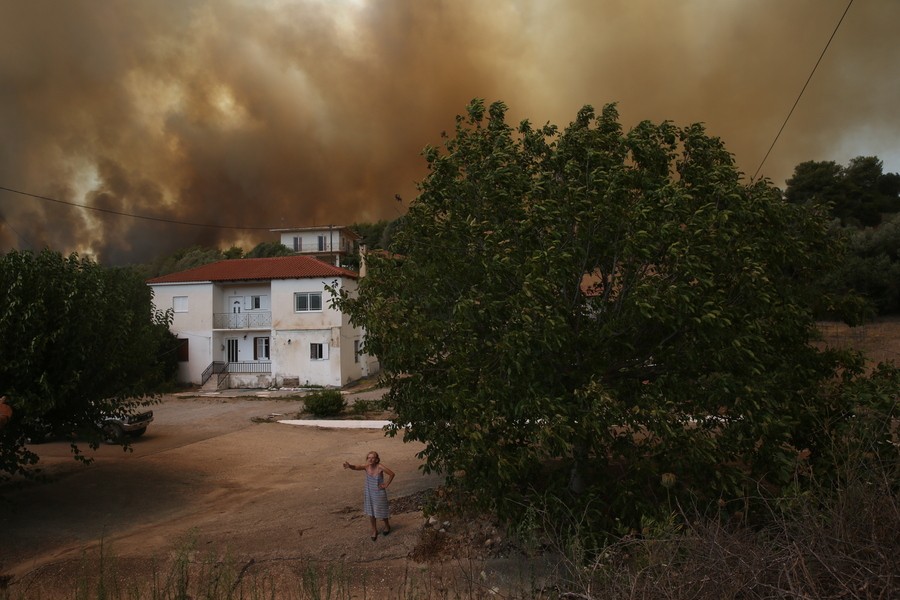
<point x="879" y="340"/>
<point x="847" y="547"/>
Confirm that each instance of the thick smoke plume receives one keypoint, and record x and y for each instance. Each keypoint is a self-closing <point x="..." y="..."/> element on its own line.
<point x="264" y="114"/>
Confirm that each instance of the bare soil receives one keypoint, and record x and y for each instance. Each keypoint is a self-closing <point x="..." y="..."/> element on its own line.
<point x="216" y="476"/>
<point x="219" y="476"/>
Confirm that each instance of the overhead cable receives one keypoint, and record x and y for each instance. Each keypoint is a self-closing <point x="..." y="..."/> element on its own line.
<point x="132" y="215"/>
<point x="800" y="95"/>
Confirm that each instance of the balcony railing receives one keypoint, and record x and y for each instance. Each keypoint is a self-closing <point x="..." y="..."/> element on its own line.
<point x="244" y="320"/>
<point x="256" y="366"/>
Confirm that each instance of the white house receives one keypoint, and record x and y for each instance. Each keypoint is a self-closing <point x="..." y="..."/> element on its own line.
<point x="263" y="322"/>
<point x="329" y="243"/>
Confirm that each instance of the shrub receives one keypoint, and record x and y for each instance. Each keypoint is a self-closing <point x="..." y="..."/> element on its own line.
<point x="362" y="407"/>
<point x="325" y="403"/>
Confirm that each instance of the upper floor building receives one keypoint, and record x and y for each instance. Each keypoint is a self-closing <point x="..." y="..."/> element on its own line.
<point x="329" y="243"/>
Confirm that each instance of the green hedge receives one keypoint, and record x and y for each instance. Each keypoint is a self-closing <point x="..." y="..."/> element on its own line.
<point x="326" y="403"/>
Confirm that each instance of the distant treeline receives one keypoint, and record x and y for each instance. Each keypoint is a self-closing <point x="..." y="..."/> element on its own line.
<point x="865" y="204"/>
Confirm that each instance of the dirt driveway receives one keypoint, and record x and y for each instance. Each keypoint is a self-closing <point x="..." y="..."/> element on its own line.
<point x="207" y="474"/>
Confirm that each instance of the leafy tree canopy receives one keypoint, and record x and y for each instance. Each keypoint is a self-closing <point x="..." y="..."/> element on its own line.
<point x="79" y="341"/>
<point x="196" y="256"/>
<point x="233" y="252"/>
<point x="871" y="268"/>
<point x="599" y="311"/>
<point x="269" y="249"/>
<point x="858" y="194"/>
<point x="186" y="258"/>
<point x="370" y="233"/>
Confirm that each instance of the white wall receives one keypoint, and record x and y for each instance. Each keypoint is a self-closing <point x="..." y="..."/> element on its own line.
<point x="352" y="367"/>
<point x="334" y="240"/>
<point x="293" y="360"/>
<point x="293" y="332"/>
<point x="195" y="325"/>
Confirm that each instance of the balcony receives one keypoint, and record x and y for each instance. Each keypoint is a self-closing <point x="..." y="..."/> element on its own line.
<point x="245" y="320"/>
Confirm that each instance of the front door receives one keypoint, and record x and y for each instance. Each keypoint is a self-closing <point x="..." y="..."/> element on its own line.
<point x="232" y="349"/>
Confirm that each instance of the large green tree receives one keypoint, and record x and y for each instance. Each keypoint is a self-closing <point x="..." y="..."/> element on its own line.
<point x="186" y="258"/>
<point x="871" y="268"/>
<point x="370" y="233"/>
<point x="595" y="309"/>
<point x="858" y="194"/>
<point x="268" y="250"/>
<point x="79" y="341"/>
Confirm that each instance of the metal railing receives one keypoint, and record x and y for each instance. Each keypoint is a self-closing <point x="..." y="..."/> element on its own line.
<point x="249" y="367"/>
<point x="241" y="367"/>
<point x="244" y="320"/>
<point x="222" y="377"/>
<point x="214" y="367"/>
<point x="223" y="369"/>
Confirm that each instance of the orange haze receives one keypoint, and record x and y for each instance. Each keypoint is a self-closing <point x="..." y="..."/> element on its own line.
<point x="263" y="114"/>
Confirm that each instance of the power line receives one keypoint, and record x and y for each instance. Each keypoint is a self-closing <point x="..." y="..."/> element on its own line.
<point x="800" y="95"/>
<point x="131" y="215"/>
<point x="13" y="229"/>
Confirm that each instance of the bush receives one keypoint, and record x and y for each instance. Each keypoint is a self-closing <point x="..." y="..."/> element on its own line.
<point x="326" y="403"/>
<point x="363" y="407"/>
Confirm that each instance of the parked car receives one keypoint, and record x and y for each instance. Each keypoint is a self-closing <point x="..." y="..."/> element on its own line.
<point x="114" y="429"/>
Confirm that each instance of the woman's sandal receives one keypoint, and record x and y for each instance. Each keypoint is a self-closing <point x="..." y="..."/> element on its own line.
<point x="385" y="532"/>
<point x="375" y="537"/>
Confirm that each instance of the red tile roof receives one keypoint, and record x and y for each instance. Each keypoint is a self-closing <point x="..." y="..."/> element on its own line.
<point x="255" y="269"/>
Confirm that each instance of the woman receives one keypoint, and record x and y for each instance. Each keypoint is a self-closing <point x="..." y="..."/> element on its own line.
<point x="375" y="500"/>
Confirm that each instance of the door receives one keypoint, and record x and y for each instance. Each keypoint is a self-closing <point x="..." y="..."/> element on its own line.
<point x="235" y="320"/>
<point x="232" y="349"/>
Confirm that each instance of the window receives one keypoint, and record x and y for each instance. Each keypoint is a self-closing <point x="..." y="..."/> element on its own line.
<point x="260" y="302"/>
<point x="356" y="351"/>
<point x="298" y="244"/>
<point x="307" y="301"/>
<point x="180" y="304"/>
<point x="318" y="351"/>
<point x="261" y="348"/>
<point x="322" y="244"/>
<point x="183" y="350"/>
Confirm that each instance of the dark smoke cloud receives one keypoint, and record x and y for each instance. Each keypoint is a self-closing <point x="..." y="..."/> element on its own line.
<point x="264" y="114"/>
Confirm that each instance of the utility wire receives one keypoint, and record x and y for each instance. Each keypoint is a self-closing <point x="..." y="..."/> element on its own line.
<point x="131" y="215"/>
<point x="13" y="229"/>
<point x="800" y="95"/>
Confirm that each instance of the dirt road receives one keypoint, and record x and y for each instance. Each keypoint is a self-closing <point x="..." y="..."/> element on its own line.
<point x="207" y="475"/>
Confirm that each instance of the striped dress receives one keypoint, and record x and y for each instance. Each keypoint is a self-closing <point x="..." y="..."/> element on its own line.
<point x="375" y="500"/>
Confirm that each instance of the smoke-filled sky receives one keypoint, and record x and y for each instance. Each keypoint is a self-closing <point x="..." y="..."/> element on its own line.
<point x="268" y="114"/>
